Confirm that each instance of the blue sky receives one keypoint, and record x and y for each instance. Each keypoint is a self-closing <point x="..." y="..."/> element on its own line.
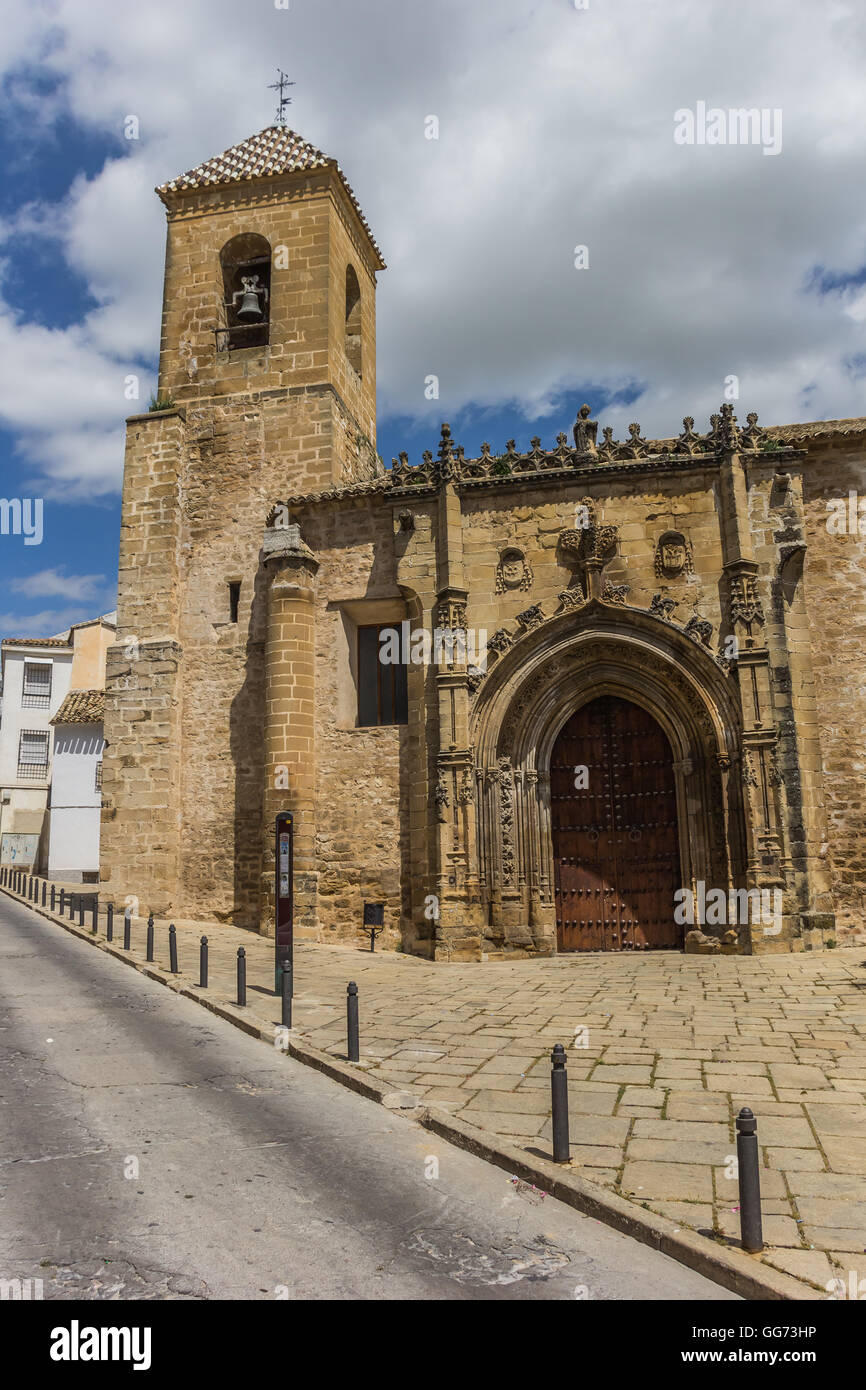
<point x="556" y="130"/>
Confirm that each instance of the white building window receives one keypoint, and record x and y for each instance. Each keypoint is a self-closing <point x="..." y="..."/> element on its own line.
<point x="37" y="685"/>
<point x="33" y="754"/>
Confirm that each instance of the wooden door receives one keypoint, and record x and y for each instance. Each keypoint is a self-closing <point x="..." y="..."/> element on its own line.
<point x="615" y="842"/>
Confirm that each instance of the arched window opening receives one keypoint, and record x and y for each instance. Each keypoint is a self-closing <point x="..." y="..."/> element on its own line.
<point x="246" y="272"/>
<point x="353" y="319"/>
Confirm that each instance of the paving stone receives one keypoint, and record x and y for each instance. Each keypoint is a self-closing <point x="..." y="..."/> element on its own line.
<point x="696" y="1215"/>
<point x="528" y="1126"/>
<point x="808" y="1078"/>
<point x="622" y="1075"/>
<point x="796" y="1160"/>
<point x="785" y="1132"/>
<point x="690" y="1106"/>
<point x="509" y="1102"/>
<point x="679" y="1151"/>
<point x="845" y="1155"/>
<point x="811" y="1265"/>
<point x="835" y="1239"/>
<point x="646" y="1096"/>
<point x="833" y="1211"/>
<point x="677" y="1131"/>
<point x="685" y="1182"/>
<point x="738" y="1082"/>
<point x="838" y="1119"/>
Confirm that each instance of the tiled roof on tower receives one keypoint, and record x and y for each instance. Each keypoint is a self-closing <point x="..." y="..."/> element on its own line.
<point x="275" y="150"/>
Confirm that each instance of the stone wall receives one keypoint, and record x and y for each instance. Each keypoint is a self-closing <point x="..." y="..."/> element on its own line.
<point x="835" y="594"/>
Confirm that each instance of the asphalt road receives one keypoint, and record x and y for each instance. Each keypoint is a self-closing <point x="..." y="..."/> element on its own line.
<point x="149" y="1150"/>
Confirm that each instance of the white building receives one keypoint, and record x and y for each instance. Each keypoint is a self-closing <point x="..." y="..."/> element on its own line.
<point x="76" y="787"/>
<point x="37" y="675"/>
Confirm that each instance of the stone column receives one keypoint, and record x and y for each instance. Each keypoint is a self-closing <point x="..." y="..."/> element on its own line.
<point x="290" y="721"/>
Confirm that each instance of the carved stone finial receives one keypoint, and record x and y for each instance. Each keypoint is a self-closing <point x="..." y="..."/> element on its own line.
<point x="729" y="435"/>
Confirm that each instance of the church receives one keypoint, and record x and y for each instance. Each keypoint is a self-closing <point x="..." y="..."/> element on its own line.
<point x="528" y="700"/>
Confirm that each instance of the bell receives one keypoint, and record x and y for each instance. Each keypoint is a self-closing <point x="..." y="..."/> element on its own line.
<point x="249" y="306"/>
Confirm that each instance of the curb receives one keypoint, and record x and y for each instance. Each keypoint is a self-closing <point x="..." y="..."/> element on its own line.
<point x="730" y="1268"/>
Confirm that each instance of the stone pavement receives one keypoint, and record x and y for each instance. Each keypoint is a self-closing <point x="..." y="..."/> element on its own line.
<point x="663" y="1050"/>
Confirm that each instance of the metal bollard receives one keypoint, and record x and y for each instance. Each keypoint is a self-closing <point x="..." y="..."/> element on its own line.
<point x="353" y="1050"/>
<point x="148" y="955"/>
<point x="44" y="891"/>
<point x="53" y="896"/>
<point x="94" y="917"/>
<point x="559" y="1099"/>
<point x="109" y="922"/>
<point x="127" y="929"/>
<point x="751" y="1232"/>
<point x="62" y="901"/>
<point x="81" y="909"/>
<point x="242" y="976"/>
<point x="202" y="964"/>
<point x="72" y="907"/>
<point x="287" y="995"/>
<point x="172" y="949"/>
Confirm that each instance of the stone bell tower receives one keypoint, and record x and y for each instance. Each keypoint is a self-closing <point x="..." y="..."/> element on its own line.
<point x="267" y="388"/>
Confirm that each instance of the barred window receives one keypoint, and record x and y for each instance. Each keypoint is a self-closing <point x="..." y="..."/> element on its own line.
<point x="33" y="753"/>
<point x="37" y="685"/>
<point x="98" y="778"/>
<point x="382" y="691"/>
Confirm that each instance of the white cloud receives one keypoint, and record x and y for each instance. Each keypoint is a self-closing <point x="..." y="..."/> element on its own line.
<point x="556" y="130"/>
<point x="55" y="582"/>
<point x="50" y="622"/>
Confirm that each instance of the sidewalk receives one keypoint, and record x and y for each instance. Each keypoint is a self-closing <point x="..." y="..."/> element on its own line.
<point x="663" y="1050"/>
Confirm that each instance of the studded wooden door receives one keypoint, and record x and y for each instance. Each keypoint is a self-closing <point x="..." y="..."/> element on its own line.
<point x="615" y="842"/>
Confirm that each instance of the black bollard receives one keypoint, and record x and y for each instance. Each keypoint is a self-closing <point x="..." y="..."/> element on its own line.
<point x="53" y="896"/>
<point x="202" y="964"/>
<point x="559" y="1099"/>
<point x="62" y="901"/>
<point x="72" y="907"/>
<point x="242" y="976"/>
<point x="751" y="1232"/>
<point x="81" y="909"/>
<point x="109" y="922"/>
<point x="94" y="916"/>
<point x="172" y="949"/>
<point x="44" y="891"/>
<point x="353" y="1050"/>
<point x="287" y="994"/>
<point x="148" y="955"/>
<point x="127" y="929"/>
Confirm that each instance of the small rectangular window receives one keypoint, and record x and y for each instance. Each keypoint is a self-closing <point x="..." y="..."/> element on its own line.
<point x="234" y="599"/>
<point x="33" y="754"/>
<point x="36" y="692"/>
<point x="97" y="786"/>
<point x="382" y="688"/>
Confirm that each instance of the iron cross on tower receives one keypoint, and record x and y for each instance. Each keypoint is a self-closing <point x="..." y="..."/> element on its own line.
<point x="285" y="100"/>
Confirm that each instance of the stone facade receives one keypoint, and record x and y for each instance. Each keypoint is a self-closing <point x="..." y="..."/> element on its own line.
<point x="695" y="577"/>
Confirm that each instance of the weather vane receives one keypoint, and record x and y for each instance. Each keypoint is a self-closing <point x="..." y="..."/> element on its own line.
<point x="284" y="99"/>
